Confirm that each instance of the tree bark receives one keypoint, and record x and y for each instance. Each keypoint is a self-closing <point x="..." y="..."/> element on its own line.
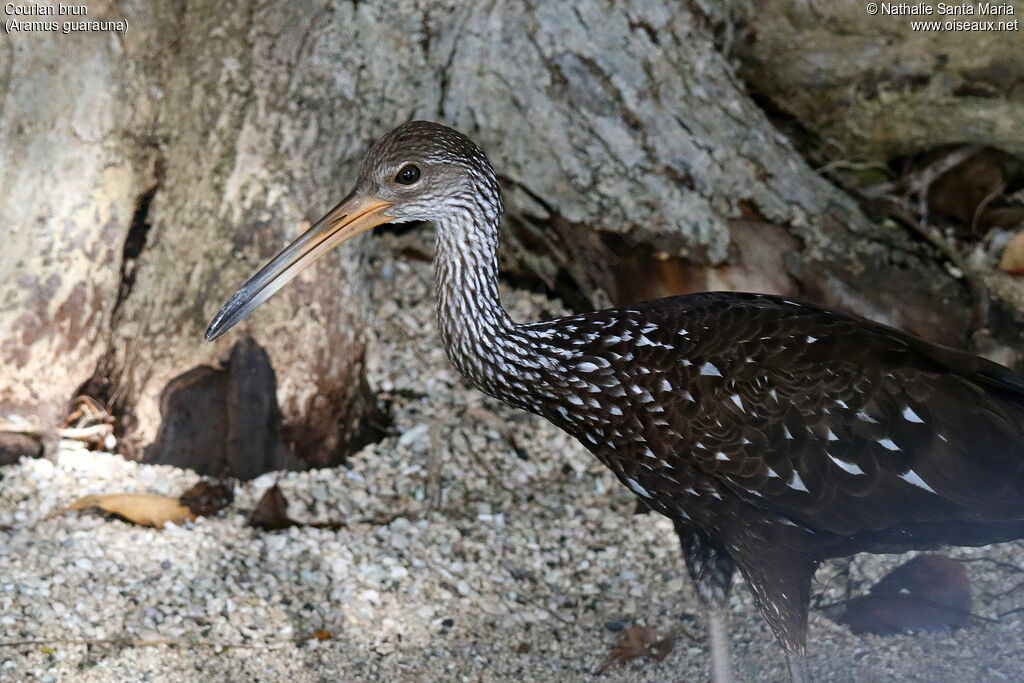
<point x="869" y="86"/>
<point x="179" y="157"/>
<point x="70" y="187"/>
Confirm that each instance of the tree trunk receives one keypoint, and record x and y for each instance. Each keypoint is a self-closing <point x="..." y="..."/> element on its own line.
<point x="870" y="86"/>
<point x="177" y="158"/>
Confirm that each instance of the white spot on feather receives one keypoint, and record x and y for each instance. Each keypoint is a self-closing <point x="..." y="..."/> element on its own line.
<point x="710" y="370"/>
<point x="866" y="418"/>
<point x="850" y="467"/>
<point x="738" y="401"/>
<point x="637" y="487"/>
<point x="830" y="436"/>
<point x="665" y="386"/>
<point x="911" y="477"/>
<point x="586" y="366"/>
<point x="797" y="483"/>
<point x="888" y="444"/>
<point x="910" y="416"/>
<point x="721" y="456"/>
<point x="811" y="340"/>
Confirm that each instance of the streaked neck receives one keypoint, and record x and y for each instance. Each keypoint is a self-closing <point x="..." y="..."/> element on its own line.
<point x="475" y="329"/>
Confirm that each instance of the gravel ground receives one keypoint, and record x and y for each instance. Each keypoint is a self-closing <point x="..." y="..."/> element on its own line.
<point x="478" y="543"/>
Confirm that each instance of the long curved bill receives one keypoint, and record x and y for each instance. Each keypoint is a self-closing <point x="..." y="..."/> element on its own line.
<point x="349" y="218"/>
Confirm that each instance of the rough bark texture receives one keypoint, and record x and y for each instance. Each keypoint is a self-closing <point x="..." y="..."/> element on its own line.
<point x="871" y="87"/>
<point x="68" y="192"/>
<point x="251" y="143"/>
<point x="181" y="156"/>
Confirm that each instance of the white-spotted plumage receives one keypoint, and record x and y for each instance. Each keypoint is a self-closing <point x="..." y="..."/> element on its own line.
<point x="910" y="416"/>
<point x="913" y="478"/>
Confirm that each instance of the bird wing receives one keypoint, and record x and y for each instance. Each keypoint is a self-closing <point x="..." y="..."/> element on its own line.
<point x="833" y="421"/>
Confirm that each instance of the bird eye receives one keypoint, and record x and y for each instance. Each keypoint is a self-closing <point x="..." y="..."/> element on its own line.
<point x="408" y="174"/>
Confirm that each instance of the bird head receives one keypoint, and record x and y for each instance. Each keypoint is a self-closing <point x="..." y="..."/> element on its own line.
<point x="420" y="171"/>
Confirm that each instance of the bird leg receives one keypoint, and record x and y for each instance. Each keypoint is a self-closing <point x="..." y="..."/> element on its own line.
<point x="718" y="638"/>
<point x="711" y="571"/>
<point x="797" y="668"/>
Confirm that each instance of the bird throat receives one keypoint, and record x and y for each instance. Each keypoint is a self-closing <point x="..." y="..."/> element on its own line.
<point x="477" y="333"/>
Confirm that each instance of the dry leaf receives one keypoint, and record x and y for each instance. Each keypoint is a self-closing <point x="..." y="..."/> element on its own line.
<point x="271" y="512"/>
<point x="146" y="509"/>
<point x="1013" y="256"/>
<point x="928" y="593"/>
<point x="208" y="498"/>
<point x="640" y="641"/>
<point x="319" y="634"/>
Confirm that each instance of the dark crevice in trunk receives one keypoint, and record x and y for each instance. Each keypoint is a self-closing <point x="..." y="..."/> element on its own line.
<point x="105" y="385"/>
<point x="588" y="268"/>
<point x="226" y="421"/>
<point x="135" y="240"/>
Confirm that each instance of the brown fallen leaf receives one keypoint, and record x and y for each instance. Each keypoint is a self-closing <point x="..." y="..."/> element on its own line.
<point x="1013" y="256"/>
<point x="145" y="509"/>
<point x="319" y="634"/>
<point x="931" y="592"/>
<point x="640" y="641"/>
<point x="208" y="498"/>
<point x="271" y="512"/>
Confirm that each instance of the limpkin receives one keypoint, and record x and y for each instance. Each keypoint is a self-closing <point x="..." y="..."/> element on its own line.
<point x="773" y="433"/>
